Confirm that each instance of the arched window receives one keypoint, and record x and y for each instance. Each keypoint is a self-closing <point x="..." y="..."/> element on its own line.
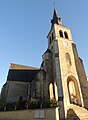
<point x="56" y="91"/>
<point x="52" y="36"/>
<point x="66" y="35"/>
<point x="61" y="33"/>
<point x="51" y="91"/>
<point x="21" y="98"/>
<point x="72" y="92"/>
<point x="68" y="59"/>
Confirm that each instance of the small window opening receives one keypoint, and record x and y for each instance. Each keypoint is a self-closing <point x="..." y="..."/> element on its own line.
<point x="21" y="98"/>
<point x="66" y="35"/>
<point x="61" y="33"/>
<point x="68" y="59"/>
<point x="52" y="36"/>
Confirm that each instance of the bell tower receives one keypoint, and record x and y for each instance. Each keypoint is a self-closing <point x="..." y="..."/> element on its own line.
<point x="66" y="78"/>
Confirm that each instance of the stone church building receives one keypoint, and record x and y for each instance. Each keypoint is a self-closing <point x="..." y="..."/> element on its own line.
<point x="61" y="75"/>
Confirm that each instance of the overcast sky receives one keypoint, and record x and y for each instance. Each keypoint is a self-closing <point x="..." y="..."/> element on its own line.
<point x="24" y="25"/>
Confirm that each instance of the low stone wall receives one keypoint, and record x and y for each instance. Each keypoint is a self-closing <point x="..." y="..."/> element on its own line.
<point x="38" y="114"/>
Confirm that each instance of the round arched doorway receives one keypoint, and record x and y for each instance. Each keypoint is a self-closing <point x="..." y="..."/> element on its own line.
<point x="73" y="91"/>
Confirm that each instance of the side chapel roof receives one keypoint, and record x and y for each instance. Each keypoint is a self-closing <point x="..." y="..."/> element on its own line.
<point x="21" y="73"/>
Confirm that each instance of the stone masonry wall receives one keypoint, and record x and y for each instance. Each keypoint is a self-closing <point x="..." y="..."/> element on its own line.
<point x="44" y="114"/>
<point x="82" y="76"/>
<point x="16" y="90"/>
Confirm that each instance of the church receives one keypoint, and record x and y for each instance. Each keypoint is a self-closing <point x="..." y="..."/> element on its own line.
<point x="61" y="76"/>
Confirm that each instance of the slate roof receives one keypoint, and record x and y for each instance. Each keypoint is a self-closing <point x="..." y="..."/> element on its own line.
<point x="56" y="19"/>
<point x="21" y="75"/>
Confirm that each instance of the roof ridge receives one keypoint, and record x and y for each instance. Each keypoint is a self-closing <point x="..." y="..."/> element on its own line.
<point x="18" y="66"/>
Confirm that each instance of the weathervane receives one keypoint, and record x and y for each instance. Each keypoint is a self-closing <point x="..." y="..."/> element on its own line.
<point x="54" y="3"/>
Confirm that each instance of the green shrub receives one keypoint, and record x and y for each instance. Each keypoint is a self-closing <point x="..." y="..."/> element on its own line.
<point x="33" y="103"/>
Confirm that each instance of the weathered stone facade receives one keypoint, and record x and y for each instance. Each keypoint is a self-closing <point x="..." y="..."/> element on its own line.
<point x="82" y="76"/>
<point x="61" y="75"/>
<point x="17" y="83"/>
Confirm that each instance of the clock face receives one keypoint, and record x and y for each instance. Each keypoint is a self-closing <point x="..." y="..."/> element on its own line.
<point x="65" y="43"/>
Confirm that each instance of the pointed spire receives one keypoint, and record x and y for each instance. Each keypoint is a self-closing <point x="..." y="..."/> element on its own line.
<point x="56" y="19"/>
<point x="55" y="14"/>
